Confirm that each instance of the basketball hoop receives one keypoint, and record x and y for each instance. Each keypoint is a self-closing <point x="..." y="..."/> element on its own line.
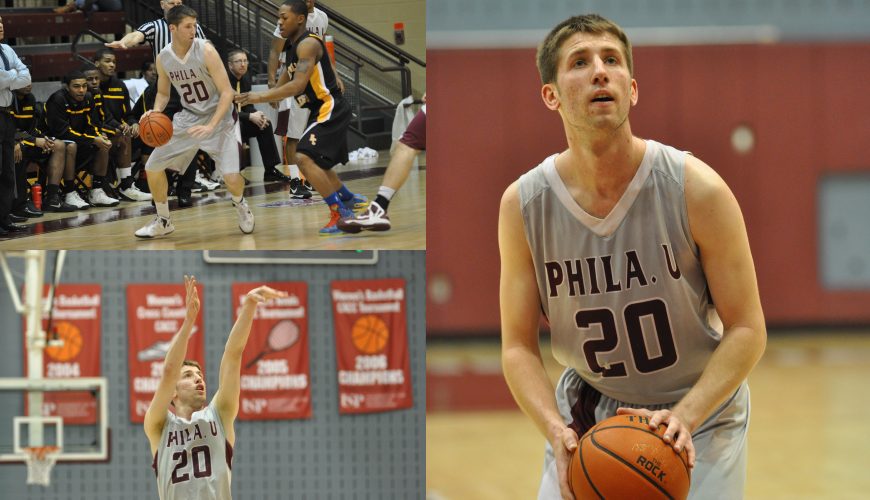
<point x="40" y="461"/>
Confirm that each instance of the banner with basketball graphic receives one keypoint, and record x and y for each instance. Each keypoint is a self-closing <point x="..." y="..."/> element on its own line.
<point x="371" y="345"/>
<point x="72" y="350"/>
<point x="155" y="313"/>
<point x="276" y="375"/>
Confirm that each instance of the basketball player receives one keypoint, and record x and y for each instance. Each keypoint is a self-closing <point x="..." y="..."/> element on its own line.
<point x="630" y="248"/>
<point x="323" y="144"/>
<point x="206" y="122"/>
<point x="192" y="445"/>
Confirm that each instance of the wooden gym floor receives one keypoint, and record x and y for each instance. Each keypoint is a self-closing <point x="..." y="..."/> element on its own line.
<point x="807" y="436"/>
<point x="211" y="223"/>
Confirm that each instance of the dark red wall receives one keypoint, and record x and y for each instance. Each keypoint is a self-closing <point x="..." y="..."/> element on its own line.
<point x="807" y="103"/>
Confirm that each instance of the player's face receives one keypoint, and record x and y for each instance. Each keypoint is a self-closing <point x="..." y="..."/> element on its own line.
<point x="78" y="88"/>
<point x="310" y="4"/>
<point x="106" y="65"/>
<point x="150" y="74"/>
<point x="593" y="86"/>
<point x="2" y="33"/>
<point x="185" y="31"/>
<point x="289" y="23"/>
<point x="167" y="5"/>
<point x="92" y="77"/>
<point x="191" y="386"/>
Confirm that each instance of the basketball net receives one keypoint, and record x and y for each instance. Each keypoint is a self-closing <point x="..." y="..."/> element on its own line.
<point x="40" y="461"/>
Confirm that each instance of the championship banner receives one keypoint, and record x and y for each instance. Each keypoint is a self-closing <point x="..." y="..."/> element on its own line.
<point x="155" y="313"/>
<point x="75" y="321"/>
<point x="371" y="345"/>
<point x="276" y="373"/>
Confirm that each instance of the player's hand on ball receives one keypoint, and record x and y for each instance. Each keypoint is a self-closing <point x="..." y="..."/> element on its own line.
<point x="564" y="443"/>
<point x="263" y="294"/>
<point x="200" y="131"/>
<point x="678" y="434"/>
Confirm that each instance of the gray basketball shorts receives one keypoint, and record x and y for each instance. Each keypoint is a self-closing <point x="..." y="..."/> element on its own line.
<point x="720" y="442"/>
<point x="223" y="145"/>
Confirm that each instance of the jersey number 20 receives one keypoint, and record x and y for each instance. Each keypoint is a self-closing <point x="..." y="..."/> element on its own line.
<point x="201" y="458"/>
<point x="632" y="315"/>
<point x="194" y="93"/>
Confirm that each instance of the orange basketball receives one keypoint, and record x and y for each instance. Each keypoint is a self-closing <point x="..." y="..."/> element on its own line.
<point x="155" y="129"/>
<point x="622" y="458"/>
<point x="72" y="342"/>
<point x="369" y="334"/>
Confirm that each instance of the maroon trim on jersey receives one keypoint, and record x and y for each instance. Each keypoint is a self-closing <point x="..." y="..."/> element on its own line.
<point x="154" y="464"/>
<point x="583" y="411"/>
<point x="229" y="453"/>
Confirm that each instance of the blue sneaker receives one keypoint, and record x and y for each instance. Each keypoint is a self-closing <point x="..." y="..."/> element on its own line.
<point x="337" y="213"/>
<point x="357" y="203"/>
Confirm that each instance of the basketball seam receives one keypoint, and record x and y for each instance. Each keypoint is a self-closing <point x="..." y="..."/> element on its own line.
<point x="627" y="463"/>
<point x="585" y="473"/>
<point x="683" y="462"/>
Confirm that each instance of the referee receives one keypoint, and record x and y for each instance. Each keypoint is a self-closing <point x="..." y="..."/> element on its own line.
<point x="13" y="75"/>
<point x="157" y="33"/>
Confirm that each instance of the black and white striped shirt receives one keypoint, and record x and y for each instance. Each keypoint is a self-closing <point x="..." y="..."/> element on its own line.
<point x="157" y="34"/>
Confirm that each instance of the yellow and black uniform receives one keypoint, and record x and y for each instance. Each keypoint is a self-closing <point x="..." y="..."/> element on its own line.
<point x="27" y="114"/>
<point x="115" y="108"/>
<point x="325" y="137"/>
<point x="71" y="120"/>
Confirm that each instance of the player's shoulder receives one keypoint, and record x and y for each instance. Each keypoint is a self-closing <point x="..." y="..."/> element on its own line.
<point x="701" y="180"/>
<point x="529" y="183"/>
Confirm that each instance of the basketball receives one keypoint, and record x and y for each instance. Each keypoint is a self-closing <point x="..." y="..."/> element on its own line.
<point x="622" y="458"/>
<point x="369" y="334"/>
<point x="72" y="342"/>
<point x="155" y="129"/>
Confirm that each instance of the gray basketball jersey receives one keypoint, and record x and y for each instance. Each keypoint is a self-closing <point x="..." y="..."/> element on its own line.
<point x="190" y="77"/>
<point x="625" y="296"/>
<point x="194" y="460"/>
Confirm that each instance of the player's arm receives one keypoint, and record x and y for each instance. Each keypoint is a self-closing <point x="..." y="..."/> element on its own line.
<point x="163" y="89"/>
<point x="155" y="417"/>
<point x="274" y="51"/>
<point x="308" y="52"/>
<point x="131" y="39"/>
<point x="226" y="400"/>
<point x="521" y="356"/>
<point x="218" y="73"/>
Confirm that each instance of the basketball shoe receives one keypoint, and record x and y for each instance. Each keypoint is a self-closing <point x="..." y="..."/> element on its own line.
<point x="373" y="219"/>
<point x="298" y="190"/>
<point x="337" y="213"/>
<point x="156" y="228"/>
<point x="246" y="218"/>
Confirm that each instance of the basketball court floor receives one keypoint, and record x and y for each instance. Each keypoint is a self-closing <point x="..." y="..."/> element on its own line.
<point x="281" y="223"/>
<point x="807" y="423"/>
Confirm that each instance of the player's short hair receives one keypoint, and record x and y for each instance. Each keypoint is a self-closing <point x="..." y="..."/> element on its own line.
<point x="192" y="362"/>
<point x="233" y="52"/>
<point x="73" y="75"/>
<point x="298" y="7"/>
<point x="178" y="13"/>
<point x="146" y="65"/>
<point x="102" y="51"/>
<point x="548" y="52"/>
<point x="87" y="66"/>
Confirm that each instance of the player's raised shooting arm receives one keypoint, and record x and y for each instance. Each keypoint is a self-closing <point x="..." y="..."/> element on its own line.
<point x="155" y="417"/>
<point x="717" y="227"/>
<point x="219" y="75"/>
<point x="226" y="400"/>
<point x="163" y="88"/>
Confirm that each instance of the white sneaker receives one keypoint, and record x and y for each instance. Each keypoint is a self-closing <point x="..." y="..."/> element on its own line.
<point x="373" y="219"/>
<point x="156" y="228"/>
<point x="136" y="194"/>
<point x="99" y="198"/>
<point x="73" y="198"/>
<point x="246" y="218"/>
<point x="210" y="185"/>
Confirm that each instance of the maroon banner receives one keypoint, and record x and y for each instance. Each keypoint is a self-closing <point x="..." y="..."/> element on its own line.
<point x="371" y="345"/>
<point x="75" y="323"/>
<point x="155" y="313"/>
<point x="275" y="365"/>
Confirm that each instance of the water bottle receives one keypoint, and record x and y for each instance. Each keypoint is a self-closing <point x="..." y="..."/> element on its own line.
<point x="36" y="194"/>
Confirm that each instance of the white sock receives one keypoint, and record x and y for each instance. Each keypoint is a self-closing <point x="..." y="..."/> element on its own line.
<point x="386" y="192"/>
<point x="162" y="209"/>
<point x="123" y="173"/>
<point x="294" y="171"/>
